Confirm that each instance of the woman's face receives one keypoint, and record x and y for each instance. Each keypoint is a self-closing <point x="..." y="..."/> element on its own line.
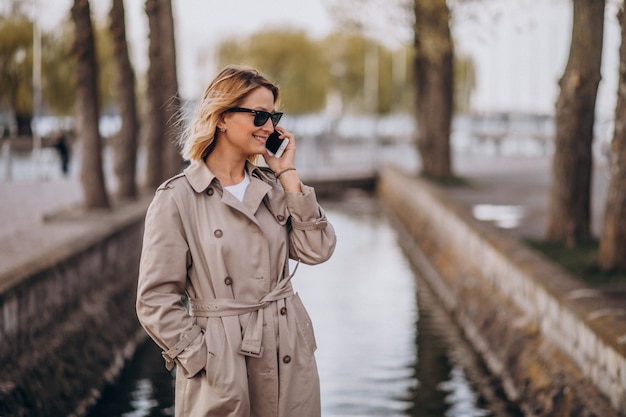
<point x="241" y="134"/>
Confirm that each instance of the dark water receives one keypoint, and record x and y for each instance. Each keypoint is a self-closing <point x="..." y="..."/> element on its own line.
<point x="385" y="347"/>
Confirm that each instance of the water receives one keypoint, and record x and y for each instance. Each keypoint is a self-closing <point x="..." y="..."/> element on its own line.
<point x="385" y="347"/>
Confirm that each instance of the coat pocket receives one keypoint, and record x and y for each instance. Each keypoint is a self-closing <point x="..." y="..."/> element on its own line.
<point x="215" y="336"/>
<point x="304" y="324"/>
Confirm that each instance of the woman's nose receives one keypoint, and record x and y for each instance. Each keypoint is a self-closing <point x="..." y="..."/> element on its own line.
<point x="268" y="126"/>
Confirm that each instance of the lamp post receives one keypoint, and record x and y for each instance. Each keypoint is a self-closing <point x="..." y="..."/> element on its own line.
<point x="36" y="155"/>
<point x="370" y="86"/>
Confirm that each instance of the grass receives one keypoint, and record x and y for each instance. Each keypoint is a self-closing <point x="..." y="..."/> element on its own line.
<point x="580" y="261"/>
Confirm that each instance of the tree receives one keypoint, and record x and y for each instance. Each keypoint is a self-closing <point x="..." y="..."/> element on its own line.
<point x="464" y="83"/>
<point x="569" y="213"/>
<point x="59" y="86"/>
<point x="107" y="67"/>
<point x="163" y="98"/>
<point x="87" y="108"/>
<point x="125" y="164"/>
<point x="350" y="53"/>
<point x="16" y="63"/>
<point x="58" y="69"/>
<point x="289" y="65"/>
<point x="339" y="62"/>
<point x="613" y="240"/>
<point x="433" y="75"/>
<point x="354" y="50"/>
<point x="154" y="120"/>
<point x="171" y="106"/>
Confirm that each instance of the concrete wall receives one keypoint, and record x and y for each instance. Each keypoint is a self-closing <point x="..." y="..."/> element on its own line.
<point x="67" y="320"/>
<point x="557" y="346"/>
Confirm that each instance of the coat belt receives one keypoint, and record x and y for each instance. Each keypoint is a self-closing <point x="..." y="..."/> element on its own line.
<point x="253" y="333"/>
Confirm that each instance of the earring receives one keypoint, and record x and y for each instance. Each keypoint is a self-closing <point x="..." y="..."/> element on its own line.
<point x="222" y="129"/>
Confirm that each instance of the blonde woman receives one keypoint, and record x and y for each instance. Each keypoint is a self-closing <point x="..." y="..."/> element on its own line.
<point x="214" y="288"/>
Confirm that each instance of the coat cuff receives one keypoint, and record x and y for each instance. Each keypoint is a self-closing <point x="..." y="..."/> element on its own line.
<point x="187" y="353"/>
<point x="305" y="211"/>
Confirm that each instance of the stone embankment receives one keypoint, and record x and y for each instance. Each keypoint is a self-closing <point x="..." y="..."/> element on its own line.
<point x="67" y="322"/>
<point x="557" y="347"/>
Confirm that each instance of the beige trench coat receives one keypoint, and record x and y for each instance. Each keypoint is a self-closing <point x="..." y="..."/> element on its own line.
<point x="214" y="294"/>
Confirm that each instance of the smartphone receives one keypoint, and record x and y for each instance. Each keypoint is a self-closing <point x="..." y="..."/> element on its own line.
<point x="276" y="146"/>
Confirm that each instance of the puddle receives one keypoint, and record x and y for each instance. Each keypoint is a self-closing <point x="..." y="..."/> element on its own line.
<point x="504" y="216"/>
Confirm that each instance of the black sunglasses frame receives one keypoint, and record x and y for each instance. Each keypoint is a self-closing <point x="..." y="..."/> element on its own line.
<point x="260" y="116"/>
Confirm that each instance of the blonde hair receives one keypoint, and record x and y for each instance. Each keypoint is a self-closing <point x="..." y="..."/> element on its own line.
<point x="229" y="88"/>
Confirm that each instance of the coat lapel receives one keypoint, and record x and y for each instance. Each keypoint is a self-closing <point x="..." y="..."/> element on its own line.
<point x="200" y="177"/>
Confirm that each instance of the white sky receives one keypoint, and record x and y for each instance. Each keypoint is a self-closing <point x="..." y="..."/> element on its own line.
<point x="200" y="25"/>
<point x="519" y="47"/>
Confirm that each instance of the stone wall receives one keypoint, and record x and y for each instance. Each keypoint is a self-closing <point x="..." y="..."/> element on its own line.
<point x="67" y="320"/>
<point x="557" y="346"/>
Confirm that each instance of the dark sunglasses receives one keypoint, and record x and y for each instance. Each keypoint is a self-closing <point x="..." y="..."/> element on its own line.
<point x="260" y="116"/>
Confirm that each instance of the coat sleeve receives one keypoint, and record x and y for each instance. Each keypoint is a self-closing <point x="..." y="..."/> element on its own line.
<point x="312" y="238"/>
<point x="161" y="298"/>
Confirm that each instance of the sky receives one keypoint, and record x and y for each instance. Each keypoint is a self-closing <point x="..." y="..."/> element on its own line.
<point x="200" y="25"/>
<point x="519" y="47"/>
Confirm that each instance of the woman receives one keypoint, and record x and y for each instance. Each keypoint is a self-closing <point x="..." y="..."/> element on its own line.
<point x="214" y="290"/>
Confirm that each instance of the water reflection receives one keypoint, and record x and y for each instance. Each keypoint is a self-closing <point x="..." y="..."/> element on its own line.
<point x="362" y="304"/>
<point x="378" y="354"/>
<point x="145" y="388"/>
<point x="443" y="388"/>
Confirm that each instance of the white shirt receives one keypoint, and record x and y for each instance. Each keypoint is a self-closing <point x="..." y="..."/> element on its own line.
<point x="239" y="190"/>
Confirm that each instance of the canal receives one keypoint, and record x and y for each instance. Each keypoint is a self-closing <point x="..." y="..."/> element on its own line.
<point x="385" y="347"/>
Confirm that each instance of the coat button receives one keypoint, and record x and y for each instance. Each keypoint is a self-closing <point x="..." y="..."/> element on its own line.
<point x="280" y="217"/>
<point x="218" y="233"/>
<point x="210" y="191"/>
<point x="283" y="311"/>
<point x="286" y="359"/>
<point x="228" y="281"/>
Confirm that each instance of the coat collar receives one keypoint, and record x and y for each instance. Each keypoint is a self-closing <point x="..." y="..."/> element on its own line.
<point x="200" y="176"/>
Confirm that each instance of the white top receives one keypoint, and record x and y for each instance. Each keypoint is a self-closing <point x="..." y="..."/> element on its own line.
<point x="239" y="190"/>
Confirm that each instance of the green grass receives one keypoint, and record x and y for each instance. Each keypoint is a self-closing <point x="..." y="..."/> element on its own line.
<point x="581" y="261"/>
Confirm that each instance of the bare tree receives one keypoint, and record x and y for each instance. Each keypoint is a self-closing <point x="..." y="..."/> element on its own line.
<point x="434" y="80"/>
<point x="613" y="240"/>
<point x="87" y="108"/>
<point x="154" y="120"/>
<point x="163" y="100"/>
<point x="125" y="164"/>
<point x="570" y="206"/>
<point x="169" y="88"/>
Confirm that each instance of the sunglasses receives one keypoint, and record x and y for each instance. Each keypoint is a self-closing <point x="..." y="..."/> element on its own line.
<point x="260" y="117"/>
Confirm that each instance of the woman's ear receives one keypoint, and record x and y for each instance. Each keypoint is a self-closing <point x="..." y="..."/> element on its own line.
<point x="221" y="124"/>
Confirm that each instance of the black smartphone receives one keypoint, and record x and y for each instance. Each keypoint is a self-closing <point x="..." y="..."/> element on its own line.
<point x="276" y="146"/>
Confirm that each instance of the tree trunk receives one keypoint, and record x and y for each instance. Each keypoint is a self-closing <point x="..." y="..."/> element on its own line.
<point x="154" y="121"/>
<point x="613" y="242"/>
<point x="569" y="215"/>
<point x="125" y="164"/>
<point x="172" y="162"/>
<point x="87" y="108"/>
<point x="433" y="75"/>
